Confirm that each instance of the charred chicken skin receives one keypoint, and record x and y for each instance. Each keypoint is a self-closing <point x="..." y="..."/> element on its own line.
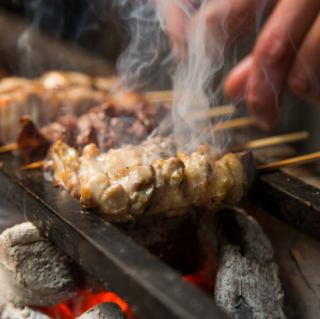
<point x="150" y="178"/>
<point x="122" y="119"/>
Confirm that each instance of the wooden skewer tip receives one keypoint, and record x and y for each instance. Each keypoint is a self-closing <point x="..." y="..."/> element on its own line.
<point x="8" y="148"/>
<point x="273" y="140"/>
<point x="294" y="161"/>
<point x="34" y="165"/>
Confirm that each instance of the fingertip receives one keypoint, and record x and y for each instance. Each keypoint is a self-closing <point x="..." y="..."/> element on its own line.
<point x="235" y="85"/>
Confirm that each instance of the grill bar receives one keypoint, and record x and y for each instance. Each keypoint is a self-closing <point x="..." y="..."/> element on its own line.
<point x="290" y="199"/>
<point x="151" y="287"/>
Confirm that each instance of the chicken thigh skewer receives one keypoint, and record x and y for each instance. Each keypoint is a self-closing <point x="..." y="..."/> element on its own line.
<point x="45" y="98"/>
<point x="150" y="179"/>
<point x="119" y="120"/>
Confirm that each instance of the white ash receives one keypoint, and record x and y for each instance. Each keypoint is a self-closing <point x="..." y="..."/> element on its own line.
<point x="32" y="270"/>
<point x="12" y="312"/>
<point x="248" y="284"/>
<point x="107" y="310"/>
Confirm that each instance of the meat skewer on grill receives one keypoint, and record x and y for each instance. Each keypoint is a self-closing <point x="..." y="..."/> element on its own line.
<point x="150" y="179"/>
<point x="121" y="119"/>
<point x="55" y="93"/>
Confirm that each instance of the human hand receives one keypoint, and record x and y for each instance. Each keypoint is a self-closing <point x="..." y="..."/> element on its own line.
<point x="286" y="52"/>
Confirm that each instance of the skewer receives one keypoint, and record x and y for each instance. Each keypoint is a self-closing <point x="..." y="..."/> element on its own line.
<point x="34" y="165"/>
<point x="235" y="123"/>
<point x="294" y="161"/>
<point x="167" y="96"/>
<point x="8" y="148"/>
<point x="158" y="96"/>
<point x="213" y="112"/>
<point x="273" y="140"/>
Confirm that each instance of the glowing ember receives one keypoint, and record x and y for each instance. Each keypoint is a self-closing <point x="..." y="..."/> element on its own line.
<point x="85" y="301"/>
<point x="203" y="282"/>
<point x="205" y="278"/>
<point x="61" y="311"/>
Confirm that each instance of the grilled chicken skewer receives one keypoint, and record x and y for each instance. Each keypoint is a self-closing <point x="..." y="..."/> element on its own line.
<point x="120" y="120"/>
<point x="150" y="178"/>
<point x="53" y="94"/>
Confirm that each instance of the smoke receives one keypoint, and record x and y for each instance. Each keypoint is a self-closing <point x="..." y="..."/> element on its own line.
<point x="146" y="61"/>
<point x="193" y="79"/>
<point x="41" y="15"/>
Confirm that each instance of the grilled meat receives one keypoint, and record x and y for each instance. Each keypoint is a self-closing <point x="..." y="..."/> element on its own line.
<point x="43" y="99"/>
<point x="124" y="120"/>
<point x="150" y="179"/>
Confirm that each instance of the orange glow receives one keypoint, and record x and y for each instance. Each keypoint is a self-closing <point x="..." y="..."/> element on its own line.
<point x="61" y="311"/>
<point x="88" y="299"/>
<point x="83" y="302"/>
<point x="203" y="282"/>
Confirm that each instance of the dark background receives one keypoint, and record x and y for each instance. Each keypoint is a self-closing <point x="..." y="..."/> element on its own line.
<point x="94" y="25"/>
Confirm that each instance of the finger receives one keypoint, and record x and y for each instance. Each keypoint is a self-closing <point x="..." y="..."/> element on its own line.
<point x="235" y="85"/>
<point x="304" y="78"/>
<point x="273" y="55"/>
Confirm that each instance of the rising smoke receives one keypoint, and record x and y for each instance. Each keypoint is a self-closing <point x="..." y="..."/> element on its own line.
<point x="147" y="60"/>
<point x="148" y="53"/>
<point x="193" y="78"/>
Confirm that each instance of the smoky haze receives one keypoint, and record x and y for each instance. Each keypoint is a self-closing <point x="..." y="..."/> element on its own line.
<point x="147" y="60"/>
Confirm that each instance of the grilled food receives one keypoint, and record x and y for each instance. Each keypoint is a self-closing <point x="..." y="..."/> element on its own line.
<point x="150" y="178"/>
<point x="124" y="118"/>
<point x="45" y="98"/>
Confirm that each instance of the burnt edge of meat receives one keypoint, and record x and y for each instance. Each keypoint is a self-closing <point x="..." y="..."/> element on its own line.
<point x="32" y="145"/>
<point x="107" y="125"/>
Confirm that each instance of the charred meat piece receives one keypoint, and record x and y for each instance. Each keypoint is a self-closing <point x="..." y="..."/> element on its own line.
<point x="127" y="183"/>
<point x="33" y="144"/>
<point x="124" y="120"/>
<point x="108" y="125"/>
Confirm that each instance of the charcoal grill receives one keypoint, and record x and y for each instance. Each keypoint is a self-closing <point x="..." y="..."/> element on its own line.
<point x="155" y="290"/>
<point x="152" y="288"/>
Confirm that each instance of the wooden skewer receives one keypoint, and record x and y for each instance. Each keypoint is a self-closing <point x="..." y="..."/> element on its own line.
<point x="158" y="96"/>
<point x="213" y="112"/>
<point x="166" y="96"/>
<point x="294" y="161"/>
<point x="34" y="165"/>
<point x="235" y="123"/>
<point x="8" y="148"/>
<point x="273" y="140"/>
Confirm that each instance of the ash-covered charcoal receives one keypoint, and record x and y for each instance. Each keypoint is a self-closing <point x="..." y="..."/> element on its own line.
<point x="107" y="310"/>
<point x="33" y="271"/>
<point x="14" y="312"/>
<point x="247" y="283"/>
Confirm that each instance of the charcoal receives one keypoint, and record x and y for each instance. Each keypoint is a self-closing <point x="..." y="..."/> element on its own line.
<point x="107" y="310"/>
<point x="32" y="270"/>
<point x="12" y="312"/>
<point x="247" y="284"/>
